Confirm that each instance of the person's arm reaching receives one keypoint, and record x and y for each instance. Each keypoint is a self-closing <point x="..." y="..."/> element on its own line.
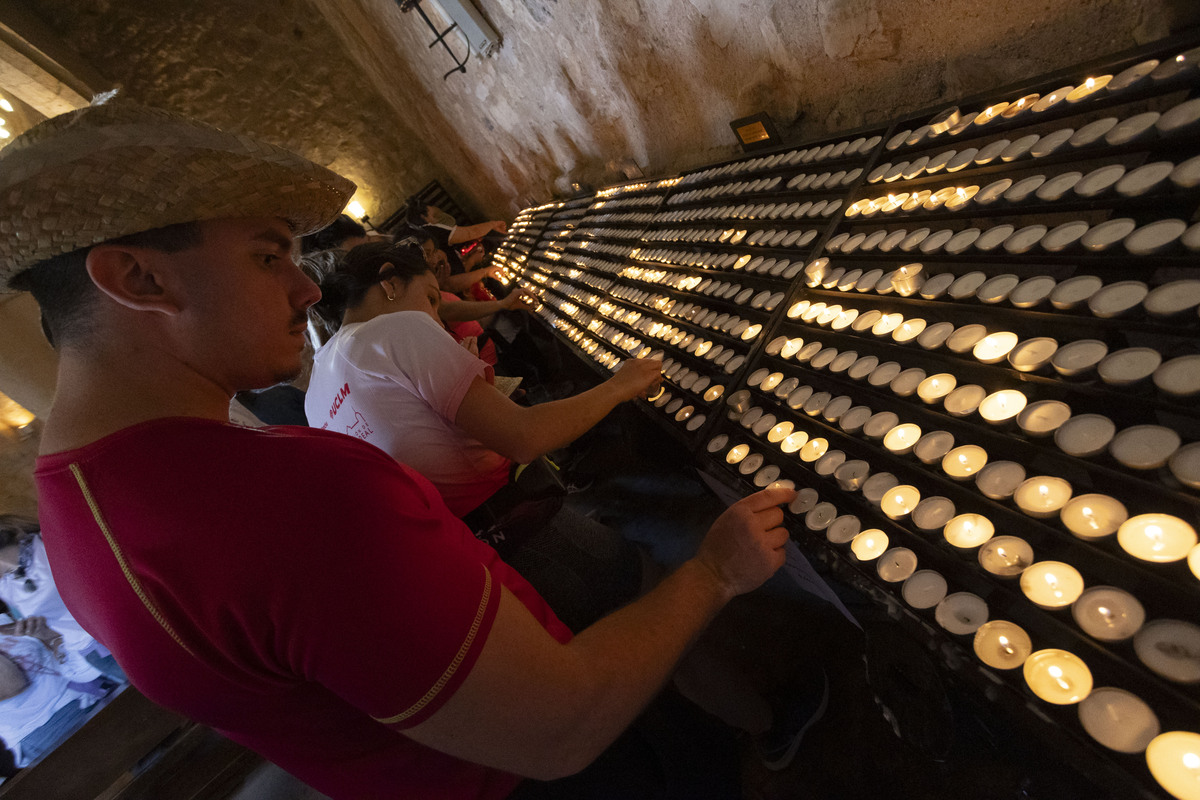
<point x="469" y="233"/>
<point x="523" y="433"/>
<point x="465" y="310"/>
<point x="465" y="280"/>
<point x="542" y="709"/>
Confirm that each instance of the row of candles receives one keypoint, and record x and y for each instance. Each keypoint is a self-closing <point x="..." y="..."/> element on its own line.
<point x="766" y="299"/>
<point x="817" y="181"/>
<point x="1109" y="131"/>
<point x="1114" y="717"/>
<point x="802" y="182"/>
<point x="1089" y="517"/>
<point x="1143" y="180"/>
<point x="861" y="147"/>
<point x="761" y="264"/>
<point x="954" y="122"/>
<point x="773" y="237"/>
<point x="1139" y="447"/>
<point x="1077" y="360"/>
<point x="641" y="201"/>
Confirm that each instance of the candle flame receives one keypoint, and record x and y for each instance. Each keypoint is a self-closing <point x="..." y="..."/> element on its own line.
<point x="1044" y="491"/>
<point x="962" y="192"/>
<point x="1003" y="640"/>
<point x="1105" y="612"/>
<point x="1091" y="82"/>
<point x="1021" y="102"/>
<point x="1155" y="535"/>
<point x="1191" y="760"/>
<point x="1057" y="673"/>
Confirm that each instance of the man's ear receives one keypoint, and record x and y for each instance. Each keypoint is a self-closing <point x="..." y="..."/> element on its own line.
<point x="132" y="276"/>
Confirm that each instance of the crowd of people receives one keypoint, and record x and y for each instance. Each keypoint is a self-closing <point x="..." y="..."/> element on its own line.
<point x="380" y="589"/>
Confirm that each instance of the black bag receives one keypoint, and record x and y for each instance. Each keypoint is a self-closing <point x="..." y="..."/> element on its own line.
<point x="521" y="508"/>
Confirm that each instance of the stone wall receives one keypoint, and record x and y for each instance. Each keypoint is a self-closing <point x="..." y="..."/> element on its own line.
<point x="273" y="70"/>
<point x="579" y="87"/>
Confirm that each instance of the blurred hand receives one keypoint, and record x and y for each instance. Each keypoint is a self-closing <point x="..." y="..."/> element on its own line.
<point x="38" y="629"/>
<point x="517" y="298"/>
<point x="638" y="377"/>
<point x="471" y="345"/>
<point x="499" y="226"/>
<point x="744" y="547"/>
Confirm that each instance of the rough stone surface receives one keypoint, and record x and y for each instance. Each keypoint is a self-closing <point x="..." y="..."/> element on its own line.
<point x="581" y="85"/>
<point x="273" y="70"/>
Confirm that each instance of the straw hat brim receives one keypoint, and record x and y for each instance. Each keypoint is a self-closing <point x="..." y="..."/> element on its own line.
<point x="108" y="171"/>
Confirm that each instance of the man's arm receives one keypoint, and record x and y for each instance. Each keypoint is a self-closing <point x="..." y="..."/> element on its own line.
<point x="542" y="709"/>
<point x="469" y="233"/>
<point x="523" y="433"/>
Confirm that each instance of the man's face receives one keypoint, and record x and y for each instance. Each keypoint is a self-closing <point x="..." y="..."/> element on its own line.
<point x="244" y="316"/>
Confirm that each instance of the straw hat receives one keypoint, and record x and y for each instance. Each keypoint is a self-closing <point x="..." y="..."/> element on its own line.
<point x="116" y="169"/>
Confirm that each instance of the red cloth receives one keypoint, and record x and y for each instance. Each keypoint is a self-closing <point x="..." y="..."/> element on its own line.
<point x="319" y="586"/>
<point x="462" y="330"/>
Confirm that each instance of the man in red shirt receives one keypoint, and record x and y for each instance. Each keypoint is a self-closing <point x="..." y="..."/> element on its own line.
<point x="296" y="589"/>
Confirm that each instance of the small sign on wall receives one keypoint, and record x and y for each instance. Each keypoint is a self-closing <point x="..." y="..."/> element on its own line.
<point x="756" y="131"/>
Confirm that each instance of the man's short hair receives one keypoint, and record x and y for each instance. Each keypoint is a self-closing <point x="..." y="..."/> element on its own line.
<point x="65" y="293"/>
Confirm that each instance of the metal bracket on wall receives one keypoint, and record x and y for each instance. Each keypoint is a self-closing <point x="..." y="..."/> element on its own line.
<point x="439" y="37"/>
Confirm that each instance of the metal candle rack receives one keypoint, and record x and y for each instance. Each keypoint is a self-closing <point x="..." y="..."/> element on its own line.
<point x="733" y="259"/>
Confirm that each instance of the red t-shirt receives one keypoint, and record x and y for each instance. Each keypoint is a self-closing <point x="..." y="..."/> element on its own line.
<point x="468" y="328"/>
<point x="298" y="590"/>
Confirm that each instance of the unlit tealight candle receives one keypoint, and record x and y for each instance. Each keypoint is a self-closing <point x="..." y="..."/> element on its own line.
<point x="961" y="613"/>
<point x="1118" y="720"/>
<point x="925" y="588"/>
<point x="896" y="564"/>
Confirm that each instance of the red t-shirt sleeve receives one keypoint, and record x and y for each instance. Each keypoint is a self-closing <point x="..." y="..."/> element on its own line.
<point x="403" y="604"/>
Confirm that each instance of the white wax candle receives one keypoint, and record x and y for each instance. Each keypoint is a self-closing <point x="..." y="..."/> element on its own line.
<point x="780" y="432"/>
<point x="1052" y="584"/>
<point x="896" y="564"/>
<point x="935" y="387"/>
<point x="1108" y="613"/>
<point x="1002" y="645"/>
<point x="1088" y="88"/>
<point x="932" y="513"/>
<point x="1058" y="676"/>
<point x="1170" y="647"/>
<point x="851" y="475"/>
<point x="899" y="501"/>
<point x="995" y="347"/>
<point x="1022" y="105"/>
<point x="1005" y="556"/>
<point x="901" y="439"/>
<point x="961" y="613"/>
<point x="925" y="588"/>
<point x="1002" y="406"/>
<point x="1043" y="417"/>
<point x="1093" y="516"/>
<point x="908" y="279"/>
<point x="968" y="530"/>
<point x="1118" y="720"/>
<point x="964" y="461"/>
<point x="820" y="516"/>
<point x="1085" y="435"/>
<point x="1174" y="761"/>
<point x="1042" y="496"/>
<point x="876" y="486"/>
<point x="934" y="446"/>
<point x="1032" y="354"/>
<point x="843" y="529"/>
<point x="793" y="442"/>
<point x="814" y="449"/>
<point x="1000" y="479"/>
<point x="964" y="400"/>
<point x="1159" y="538"/>
<point x="737" y="453"/>
<point x="869" y="544"/>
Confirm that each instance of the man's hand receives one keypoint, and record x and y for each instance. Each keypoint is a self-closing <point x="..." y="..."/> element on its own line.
<point x="471" y="345"/>
<point x="638" y="377"/>
<point x="38" y="629"/>
<point x="499" y="226"/>
<point x="744" y="547"/>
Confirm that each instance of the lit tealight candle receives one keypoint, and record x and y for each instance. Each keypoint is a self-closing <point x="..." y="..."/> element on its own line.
<point x="1194" y="561"/>
<point x="935" y="387"/>
<point x="910" y="329"/>
<point x="1005" y="556"/>
<point x="1118" y="720"/>
<point x="1156" y="537"/>
<point x="1093" y="516"/>
<point x="869" y="544"/>
<point x="886" y="324"/>
<point x="908" y="279"/>
<point x="896" y="565"/>
<point x="1002" y="645"/>
<point x="961" y="613"/>
<point x="995" y="347"/>
<point x="964" y="461"/>
<point x="1058" y="677"/>
<point x="925" y="588"/>
<point x="793" y="442"/>
<point x="1003" y="406"/>
<point x="1042" y="496"/>
<point x="968" y="530"/>
<point x="1088" y="88"/>
<point x="899" y="501"/>
<point x="1174" y="761"/>
<point x="814" y="449"/>
<point x="1021" y="106"/>
<point x="1052" y="584"/>
<point x="962" y="195"/>
<point x="901" y="439"/>
<point x="737" y="453"/>
<point x="1108" y="613"/>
